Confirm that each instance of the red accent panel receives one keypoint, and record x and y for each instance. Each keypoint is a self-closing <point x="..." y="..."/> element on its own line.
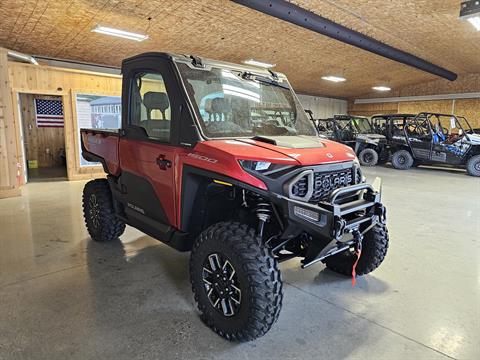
<point x="105" y="146"/>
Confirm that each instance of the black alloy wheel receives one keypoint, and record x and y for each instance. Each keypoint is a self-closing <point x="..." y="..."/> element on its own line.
<point x="221" y="284"/>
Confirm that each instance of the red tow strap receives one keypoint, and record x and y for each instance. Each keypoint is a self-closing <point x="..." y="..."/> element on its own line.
<point x="358" y="253"/>
<point x="354" y="273"/>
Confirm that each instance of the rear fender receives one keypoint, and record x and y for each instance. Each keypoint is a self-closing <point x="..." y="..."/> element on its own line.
<point x="101" y="146"/>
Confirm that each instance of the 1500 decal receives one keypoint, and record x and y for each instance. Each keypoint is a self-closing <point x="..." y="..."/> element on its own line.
<point x="203" y="158"/>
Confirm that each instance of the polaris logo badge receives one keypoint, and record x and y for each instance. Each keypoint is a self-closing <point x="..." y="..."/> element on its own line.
<point x="136" y="208"/>
<point x="203" y="158"/>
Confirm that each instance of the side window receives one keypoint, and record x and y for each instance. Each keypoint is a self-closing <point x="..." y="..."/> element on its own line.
<point x="150" y="106"/>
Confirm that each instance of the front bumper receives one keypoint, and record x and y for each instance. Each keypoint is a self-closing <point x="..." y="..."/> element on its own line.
<point x="347" y="209"/>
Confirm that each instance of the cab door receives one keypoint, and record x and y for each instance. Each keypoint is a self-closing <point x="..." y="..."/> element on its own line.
<point x="147" y="148"/>
<point x="419" y="137"/>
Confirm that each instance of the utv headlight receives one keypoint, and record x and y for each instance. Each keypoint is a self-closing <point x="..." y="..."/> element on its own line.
<point x="262" y="167"/>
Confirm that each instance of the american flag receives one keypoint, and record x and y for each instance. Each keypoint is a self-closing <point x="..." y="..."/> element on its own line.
<point x="48" y="113"/>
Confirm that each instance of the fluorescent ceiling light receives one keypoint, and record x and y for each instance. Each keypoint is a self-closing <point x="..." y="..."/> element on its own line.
<point x="120" y="33"/>
<point x="240" y="90"/>
<point x="381" y="88"/>
<point x="242" y="95"/>
<point x="259" y="63"/>
<point x="333" y="78"/>
<point x="475" y="21"/>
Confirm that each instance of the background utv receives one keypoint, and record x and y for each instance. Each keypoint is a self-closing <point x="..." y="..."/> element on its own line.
<point x="432" y="138"/>
<point x="356" y="132"/>
<point x="220" y="159"/>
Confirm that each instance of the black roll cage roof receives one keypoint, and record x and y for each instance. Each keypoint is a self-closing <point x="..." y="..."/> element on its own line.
<point x="428" y="115"/>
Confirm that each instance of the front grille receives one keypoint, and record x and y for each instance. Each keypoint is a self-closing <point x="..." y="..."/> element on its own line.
<point x="324" y="183"/>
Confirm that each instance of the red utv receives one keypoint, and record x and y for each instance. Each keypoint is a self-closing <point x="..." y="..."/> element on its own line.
<point x="220" y="159"/>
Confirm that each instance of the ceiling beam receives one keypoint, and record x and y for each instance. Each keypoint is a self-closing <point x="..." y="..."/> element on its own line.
<point x="297" y="15"/>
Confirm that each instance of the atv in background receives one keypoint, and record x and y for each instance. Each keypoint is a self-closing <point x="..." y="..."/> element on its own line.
<point x="390" y="125"/>
<point x="356" y="132"/>
<point x="432" y="138"/>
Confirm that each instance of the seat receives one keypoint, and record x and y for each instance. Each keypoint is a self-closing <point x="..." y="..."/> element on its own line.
<point x="208" y="108"/>
<point x="157" y="128"/>
<point x="156" y="100"/>
<point x="221" y="109"/>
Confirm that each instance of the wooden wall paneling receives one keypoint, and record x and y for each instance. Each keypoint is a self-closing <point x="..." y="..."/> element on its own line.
<point x="70" y="136"/>
<point x="8" y="149"/>
<point x="470" y="108"/>
<point x="27" y="78"/>
<point x="415" y="107"/>
<point x="21" y="158"/>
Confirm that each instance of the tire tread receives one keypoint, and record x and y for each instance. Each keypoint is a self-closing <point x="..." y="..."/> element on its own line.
<point x="262" y="272"/>
<point x="111" y="227"/>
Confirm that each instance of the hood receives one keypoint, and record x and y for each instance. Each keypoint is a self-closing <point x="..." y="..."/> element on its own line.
<point x="306" y="150"/>
<point x="473" y="139"/>
<point x="372" y="138"/>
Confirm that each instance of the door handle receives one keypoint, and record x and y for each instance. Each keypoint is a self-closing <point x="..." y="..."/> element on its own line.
<point x="163" y="163"/>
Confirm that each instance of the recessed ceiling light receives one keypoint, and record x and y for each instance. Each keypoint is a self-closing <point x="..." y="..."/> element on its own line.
<point x="381" y="88"/>
<point x="334" y="78"/>
<point x="259" y="63"/>
<point x="119" y="33"/>
<point x="475" y="21"/>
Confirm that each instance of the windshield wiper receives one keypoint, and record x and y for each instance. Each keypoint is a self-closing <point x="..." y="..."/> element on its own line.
<point x="263" y="79"/>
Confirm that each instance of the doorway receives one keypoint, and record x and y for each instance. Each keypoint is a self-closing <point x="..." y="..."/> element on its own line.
<point x="43" y="137"/>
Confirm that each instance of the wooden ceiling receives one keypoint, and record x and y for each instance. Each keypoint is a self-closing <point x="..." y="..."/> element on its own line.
<point x="221" y="29"/>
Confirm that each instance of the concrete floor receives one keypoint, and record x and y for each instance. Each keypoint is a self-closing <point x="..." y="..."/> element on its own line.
<point x="63" y="296"/>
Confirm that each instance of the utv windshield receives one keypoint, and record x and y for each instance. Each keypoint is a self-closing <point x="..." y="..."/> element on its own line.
<point x="357" y="125"/>
<point x="362" y="124"/>
<point x="232" y="103"/>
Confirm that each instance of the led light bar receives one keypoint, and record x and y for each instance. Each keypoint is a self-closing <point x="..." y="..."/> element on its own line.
<point x="259" y="63"/>
<point x="333" y="78"/>
<point x="306" y="213"/>
<point x="119" y="33"/>
<point x="381" y="88"/>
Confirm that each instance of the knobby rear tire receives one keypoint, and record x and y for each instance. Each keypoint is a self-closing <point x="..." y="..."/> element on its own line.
<point x="107" y="226"/>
